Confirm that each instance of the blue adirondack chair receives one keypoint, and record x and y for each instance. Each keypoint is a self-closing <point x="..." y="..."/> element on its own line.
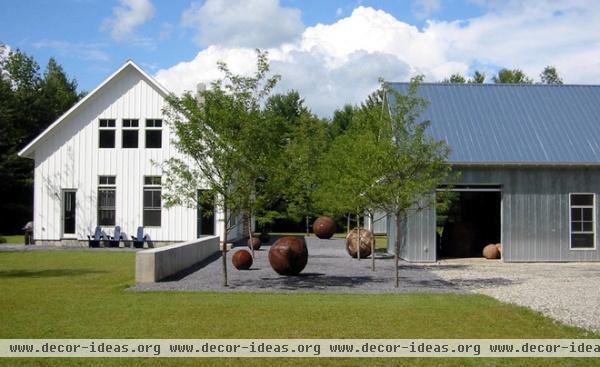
<point x="138" y="240"/>
<point x="116" y="238"/>
<point x="94" y="240"/>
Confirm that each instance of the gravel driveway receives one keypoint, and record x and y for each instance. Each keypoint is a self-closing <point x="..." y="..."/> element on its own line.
<point x="568" y="292"/>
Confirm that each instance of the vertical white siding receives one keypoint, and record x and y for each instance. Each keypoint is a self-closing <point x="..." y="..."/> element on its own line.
<point x="69" y="158"/>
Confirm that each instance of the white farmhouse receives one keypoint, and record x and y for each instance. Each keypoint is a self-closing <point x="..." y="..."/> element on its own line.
<point x="98" y="165"/>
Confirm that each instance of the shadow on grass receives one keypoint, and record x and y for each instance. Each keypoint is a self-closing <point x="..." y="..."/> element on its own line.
<point x="48" y="273"/>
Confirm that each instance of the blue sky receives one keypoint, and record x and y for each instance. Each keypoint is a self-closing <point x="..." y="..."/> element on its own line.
<point x="331" y="51"/>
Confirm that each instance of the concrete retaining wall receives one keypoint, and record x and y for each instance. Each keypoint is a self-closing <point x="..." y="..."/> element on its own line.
<point x="156" y="264"/>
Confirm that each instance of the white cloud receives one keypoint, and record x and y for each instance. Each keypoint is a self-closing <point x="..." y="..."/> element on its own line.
<point x="333" y="64"/>
<point x="425" y="8"/>
<point x="243" y="23"/>
<point x="129" y="15"/>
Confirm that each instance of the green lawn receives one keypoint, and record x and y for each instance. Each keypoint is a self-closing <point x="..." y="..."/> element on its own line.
<point x="13" y="239"/>
<point x="79" y="294"/>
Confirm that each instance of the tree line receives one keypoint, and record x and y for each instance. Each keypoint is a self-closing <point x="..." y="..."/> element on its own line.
<point x="549" y="76"/>
<point x="30" y="100"/>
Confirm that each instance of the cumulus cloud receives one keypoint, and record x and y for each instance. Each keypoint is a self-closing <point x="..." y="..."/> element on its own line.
<point x="129" y="15"/>
<point x="333" y="64"/>
<point x="243" y="23"/>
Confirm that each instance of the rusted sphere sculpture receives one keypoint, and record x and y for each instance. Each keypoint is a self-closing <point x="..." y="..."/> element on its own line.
<point x="254" y="243"/>
<point x="242" y="260"/>
<point x="288" y="255"/>
<point x="324" y="228"/>
<point x="491" y="252"/>
<point x="499" y="247"/>
<point x="264" y="237"/>
<point x="366" y="239"/>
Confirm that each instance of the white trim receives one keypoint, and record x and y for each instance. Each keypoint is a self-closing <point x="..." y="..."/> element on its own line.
<point x="28" y="151"/>
<point x="64" y="235"/>
<point x="593" y="218"/>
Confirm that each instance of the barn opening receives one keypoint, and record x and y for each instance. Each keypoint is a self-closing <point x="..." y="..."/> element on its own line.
<point x="470" y="221"/>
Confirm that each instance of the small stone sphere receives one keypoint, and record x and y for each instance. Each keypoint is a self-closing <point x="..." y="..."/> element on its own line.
<point x="324" y="228"/>
<point x="242" y="260"/>
<point x="264" y="237"/>
<point x="288" y="255"/>
<point x="366" y="239"/>
<point x="254" y="243"/>
<point x="491" y="252"/>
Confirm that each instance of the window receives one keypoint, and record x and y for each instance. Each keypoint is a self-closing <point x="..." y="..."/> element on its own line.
<point x="583" y="221"/>
<point x="153" y="133"/>
<point x="152" y="201"/>
<point x="106" y="200"/>
<point x="106" y="135"/>
<point x="130" y="133"/>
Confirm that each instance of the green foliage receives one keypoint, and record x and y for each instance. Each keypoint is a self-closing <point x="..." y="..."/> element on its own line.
<point x="341" y="121"/>
<point x="29" y="102"/>
<point x="455" y="78"/>
<point x="478" y="77"/>
<point x="514" y="76"/>
<point x="227" y="140"/>
<point x="550" y="76"/>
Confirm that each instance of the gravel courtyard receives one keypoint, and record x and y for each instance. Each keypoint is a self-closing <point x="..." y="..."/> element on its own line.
<point x="568" y="292"/>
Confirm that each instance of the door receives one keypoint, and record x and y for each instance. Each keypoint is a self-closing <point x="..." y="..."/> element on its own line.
<point x="69" y="211"/>
<point x="205" y="217"/>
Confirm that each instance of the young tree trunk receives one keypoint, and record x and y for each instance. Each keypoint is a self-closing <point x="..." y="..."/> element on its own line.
<point x="359" y="241"/>
<point x="372" y="244"/>
<point x="249" y="224"/>
<point x="397" y="254"/>
<point x="348" y="224"/>
<point x="307" y="230"/>
<point x="224" y="248"/>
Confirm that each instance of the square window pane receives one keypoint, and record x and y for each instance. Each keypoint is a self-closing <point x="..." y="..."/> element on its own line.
<point x="130" y="139"/>
<point x="153" y="138"/>
<point x="106" y="217"/>
<point x="130" y="123"/>
<point x="582" y="199"/>
<point x="151" y="217"/>
<point x="587" y="214"/>
<point x="106" y="139"/>
<point x="588" y="226"/>
<point x="582" y="240"/>
<point x="576" y="214"/>
<point x="576" y="226"/>
<point x="107" y="123"/>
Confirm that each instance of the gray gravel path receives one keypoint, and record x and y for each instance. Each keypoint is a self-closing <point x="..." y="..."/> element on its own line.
<point x="568" y="292"/>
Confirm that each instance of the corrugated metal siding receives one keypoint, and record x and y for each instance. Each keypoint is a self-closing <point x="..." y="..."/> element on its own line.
<point x="514" y="123"/>
<point x="69" y="158"/>
<point x="535" y="214"/>
<point x="379" y="224"/>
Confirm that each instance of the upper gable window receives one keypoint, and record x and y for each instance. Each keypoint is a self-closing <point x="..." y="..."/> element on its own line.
<point x="130" y="133"/>
<point x="153" y="133"/>
<point x="106" y="133"/>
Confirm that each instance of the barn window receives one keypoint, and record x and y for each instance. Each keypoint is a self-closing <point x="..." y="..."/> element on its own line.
<point x="107" y="193"/>
<point x="153" y="133"/>
<point x="152" y="201"/>
<point x="106" y="135"/>
<point x="130" y="133"/>
<point x="583" y="221"/>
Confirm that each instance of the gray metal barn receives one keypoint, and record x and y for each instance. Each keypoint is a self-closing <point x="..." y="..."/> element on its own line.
<point x="529" y="162"/>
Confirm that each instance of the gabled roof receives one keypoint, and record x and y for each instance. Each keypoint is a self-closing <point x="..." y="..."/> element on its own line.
<point x="28" y="151"/>
<point x="524" y="124"/>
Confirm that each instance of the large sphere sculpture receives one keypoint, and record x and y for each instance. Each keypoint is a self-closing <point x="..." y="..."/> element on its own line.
<point x="366" y="239"/>
<point x="324" y="227"/>
<point x="254" y="243"/>
<point x="242" y="260"/>
<point x="491" y="252"/>
<point x="288" y="255"/>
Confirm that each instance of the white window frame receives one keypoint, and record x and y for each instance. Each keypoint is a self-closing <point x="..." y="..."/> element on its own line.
<point x="130" y="128"/>
<point x="106" y="186"/>
<point x="152" y="187"/>
<point x="593" y="223"/>
<point x="107" y="128"/>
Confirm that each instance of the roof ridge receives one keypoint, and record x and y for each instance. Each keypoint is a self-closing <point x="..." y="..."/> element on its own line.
<point x="500" y="84"/>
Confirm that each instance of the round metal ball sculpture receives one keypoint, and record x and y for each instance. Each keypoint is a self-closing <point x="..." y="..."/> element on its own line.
<point x="366" y="239"/>
<point x="324" y="227"/>
<point x="255" y="243"/>
<point x="491" y="252"/>
<point x="288" y="255"/>
<point x="242" y="260"/>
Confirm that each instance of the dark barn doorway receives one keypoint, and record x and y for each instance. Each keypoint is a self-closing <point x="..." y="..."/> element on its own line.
<point x="471" y="221"/>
